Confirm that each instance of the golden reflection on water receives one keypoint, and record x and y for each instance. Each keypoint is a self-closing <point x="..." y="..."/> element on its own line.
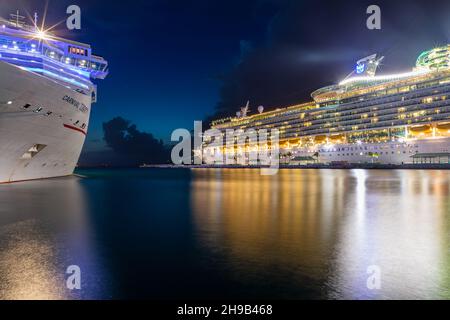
<point x="328" y="226"/>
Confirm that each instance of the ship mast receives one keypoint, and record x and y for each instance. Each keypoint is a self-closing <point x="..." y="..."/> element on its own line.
<point x="17" y="19"/>
<point x="35" y="21"/>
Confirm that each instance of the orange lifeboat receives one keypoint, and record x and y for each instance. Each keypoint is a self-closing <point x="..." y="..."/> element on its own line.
<point x="337" y="137"/>
<point x="421" y="130"/>
<point x="443" y="126"/>
<point x="320" y="139"/>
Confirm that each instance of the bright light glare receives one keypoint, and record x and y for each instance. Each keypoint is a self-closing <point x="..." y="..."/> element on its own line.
<point x="385" y="77"/>
<point x="41" y="35"/>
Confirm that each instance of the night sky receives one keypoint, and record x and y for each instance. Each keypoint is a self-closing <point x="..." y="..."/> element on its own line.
<point x="173" y="62"/>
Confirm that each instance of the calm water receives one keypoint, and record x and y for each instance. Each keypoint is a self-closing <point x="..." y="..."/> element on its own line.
<point x="303" y="234"/>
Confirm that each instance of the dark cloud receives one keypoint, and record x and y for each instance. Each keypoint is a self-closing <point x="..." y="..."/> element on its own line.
<point x="132" y="146"/>
<point x="311" y="44"/>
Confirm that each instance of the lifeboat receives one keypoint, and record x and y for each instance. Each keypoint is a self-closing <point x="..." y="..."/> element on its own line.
<point x="282" y="143"/>
<point x="421" y="129"/>
<point x="320" y="139"/>
<point x="443" y="126"/>
<point x="337" y="137"/>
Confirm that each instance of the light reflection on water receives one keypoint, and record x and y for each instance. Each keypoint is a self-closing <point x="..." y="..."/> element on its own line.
<point x="178" y="234"/>
<point x="43" y="230"/>
<point x="319" y="231"/>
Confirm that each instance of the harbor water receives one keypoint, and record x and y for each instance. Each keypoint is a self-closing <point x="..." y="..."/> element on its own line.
<point x="228" y="234"/>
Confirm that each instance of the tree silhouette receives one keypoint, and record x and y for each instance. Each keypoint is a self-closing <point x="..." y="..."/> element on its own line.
<point x="138" y="147"/>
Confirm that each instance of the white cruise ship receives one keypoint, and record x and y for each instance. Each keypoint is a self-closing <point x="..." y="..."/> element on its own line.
<point x="46" y="93"/>
<point x="366" y="118"/>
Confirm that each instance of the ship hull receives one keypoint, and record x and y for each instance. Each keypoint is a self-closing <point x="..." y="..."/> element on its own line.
<point x="383" y="153"/>
<point x="43" y="126"/>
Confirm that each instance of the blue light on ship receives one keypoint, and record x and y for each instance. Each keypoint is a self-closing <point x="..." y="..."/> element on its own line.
<point x="360" y="68"/>
<point x="62" y="60"/>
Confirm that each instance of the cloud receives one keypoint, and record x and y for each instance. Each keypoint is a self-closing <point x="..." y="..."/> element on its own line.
<point x="133" y="147"/>
<point x="312" y="44"/>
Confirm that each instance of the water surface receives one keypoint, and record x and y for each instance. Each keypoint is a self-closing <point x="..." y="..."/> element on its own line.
<point x="177" y="234"/>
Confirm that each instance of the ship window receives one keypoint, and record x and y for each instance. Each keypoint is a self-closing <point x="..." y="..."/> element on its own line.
<point x="27" y="106"/>
<point x="78" y="51"/>
<point x="38" y="110"/>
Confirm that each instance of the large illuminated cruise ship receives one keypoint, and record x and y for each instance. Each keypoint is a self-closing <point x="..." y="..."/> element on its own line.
<point x="366" y="118"/>
<point x="46" y="92"/>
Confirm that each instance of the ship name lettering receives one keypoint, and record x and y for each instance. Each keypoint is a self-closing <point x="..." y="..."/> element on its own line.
<point x="80" y="106"/>
<point x="71" y="101"/>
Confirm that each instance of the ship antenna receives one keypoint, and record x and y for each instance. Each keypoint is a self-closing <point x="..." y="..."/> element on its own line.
<point x="35" y="21"/>
<point x="17" y="19"/>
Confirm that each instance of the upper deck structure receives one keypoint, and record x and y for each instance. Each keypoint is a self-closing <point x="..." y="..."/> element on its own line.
<point x="68" y="62"/>
<point x="365" y="106"/>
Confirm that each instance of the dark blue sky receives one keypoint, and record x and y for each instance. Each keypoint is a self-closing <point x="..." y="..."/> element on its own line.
<point x="165" y="56"/>
<point x="173" y="62"/>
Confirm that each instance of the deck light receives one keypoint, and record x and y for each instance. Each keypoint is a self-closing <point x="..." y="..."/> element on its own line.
<point x="40" y="34"/>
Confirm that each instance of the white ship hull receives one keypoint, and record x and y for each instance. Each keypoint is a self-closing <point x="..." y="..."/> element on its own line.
<point x="383" y="153"/>
<point x="45" y="139"/>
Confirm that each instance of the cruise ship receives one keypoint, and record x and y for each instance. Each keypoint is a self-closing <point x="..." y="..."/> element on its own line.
<point x="46" y="93"/>
<point x="366" y="118"/>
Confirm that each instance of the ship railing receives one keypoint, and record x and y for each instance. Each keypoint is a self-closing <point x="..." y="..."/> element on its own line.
<point x="101" y="73"/>
<point x="376" y="126"/>
<point x="385" y="116"/>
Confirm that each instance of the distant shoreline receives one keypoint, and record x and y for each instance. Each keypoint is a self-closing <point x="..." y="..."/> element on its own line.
<point x="288" y="167"/>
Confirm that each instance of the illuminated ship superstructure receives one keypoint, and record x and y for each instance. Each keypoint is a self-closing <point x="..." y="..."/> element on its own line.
<point x="46" y="92"/>
<point x="367" y="118"/>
